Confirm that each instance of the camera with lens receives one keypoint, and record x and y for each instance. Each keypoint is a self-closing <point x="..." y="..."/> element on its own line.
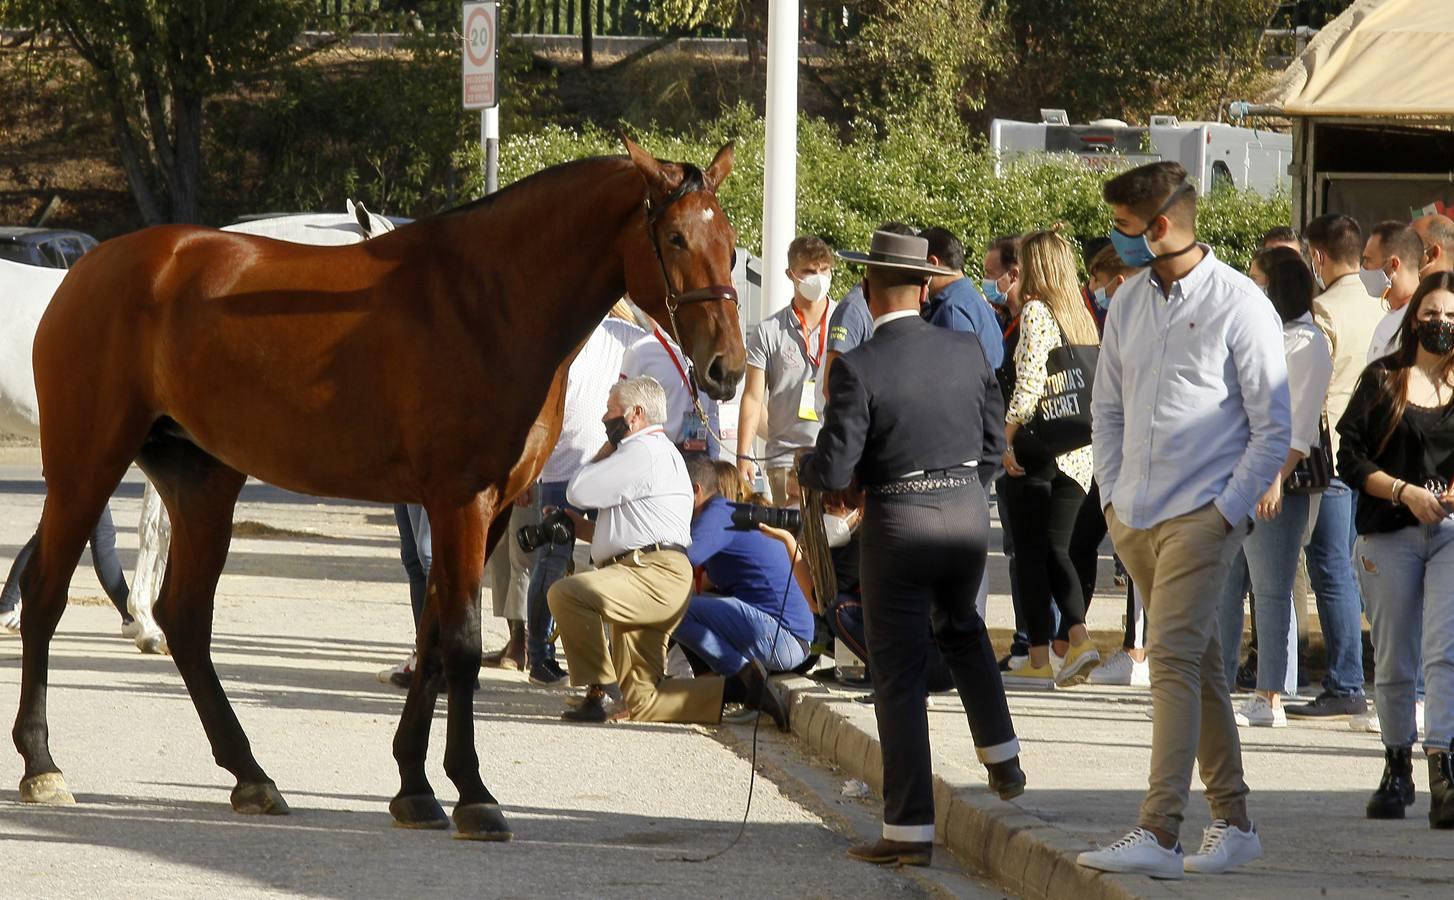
<point x="555" y="529"/>
<point x="747" y="516"/>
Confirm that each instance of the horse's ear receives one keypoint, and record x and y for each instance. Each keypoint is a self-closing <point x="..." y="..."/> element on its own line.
<point x="720" y="168"/>
<point x="362" y="215"/>
<point x="649" y="167"/>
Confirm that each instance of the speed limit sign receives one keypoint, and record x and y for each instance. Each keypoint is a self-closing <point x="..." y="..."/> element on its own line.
<point x="480" y="45"/>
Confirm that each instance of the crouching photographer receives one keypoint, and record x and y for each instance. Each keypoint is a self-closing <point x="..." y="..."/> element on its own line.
<point x="755" y="614"/>
<point x="638" y="484"/>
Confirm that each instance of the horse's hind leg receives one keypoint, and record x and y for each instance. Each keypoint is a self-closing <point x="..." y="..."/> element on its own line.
<point x="200" y="494"/>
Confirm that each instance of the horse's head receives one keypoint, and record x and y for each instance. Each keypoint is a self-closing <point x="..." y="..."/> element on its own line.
<point x="679" y="266"/>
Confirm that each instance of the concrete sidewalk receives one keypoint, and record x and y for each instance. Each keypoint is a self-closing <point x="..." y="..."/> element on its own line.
<point x="1086" y="752"/>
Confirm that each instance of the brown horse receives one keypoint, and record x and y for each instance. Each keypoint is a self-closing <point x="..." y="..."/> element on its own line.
<point x="424" y="366"/>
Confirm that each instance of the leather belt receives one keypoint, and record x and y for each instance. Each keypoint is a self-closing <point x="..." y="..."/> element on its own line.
<point x="649" y="548"/>
<point x="926" y="482"/>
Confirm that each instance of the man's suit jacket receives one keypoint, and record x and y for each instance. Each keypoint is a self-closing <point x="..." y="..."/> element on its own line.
<point x="914" y="398"/>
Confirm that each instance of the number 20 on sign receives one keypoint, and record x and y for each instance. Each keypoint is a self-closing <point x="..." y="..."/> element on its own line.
<point x="480" y="44"/>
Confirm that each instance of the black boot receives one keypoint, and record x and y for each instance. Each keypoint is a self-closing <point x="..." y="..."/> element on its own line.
<point x="1441" y="791"/>
<point x="1396" y="790"/>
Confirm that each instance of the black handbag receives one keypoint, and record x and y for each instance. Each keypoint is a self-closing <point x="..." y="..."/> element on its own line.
<point x="1062" y="420"/>
<point x="1314" y="472"/>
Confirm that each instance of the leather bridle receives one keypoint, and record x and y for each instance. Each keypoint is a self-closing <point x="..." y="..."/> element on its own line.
<point x="712" y="293"/>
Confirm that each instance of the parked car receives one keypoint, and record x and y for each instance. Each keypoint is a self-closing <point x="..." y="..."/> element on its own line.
<point x="53" y="248"/>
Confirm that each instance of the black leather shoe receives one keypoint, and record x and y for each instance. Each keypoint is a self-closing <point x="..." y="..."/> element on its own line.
<point x="591" y="709"/>
<point x="894" y="853"/>
<point x="1396" y="790"/>
<point x="760" y="696"/>
<point x="1006" y="778"/>
<point x="1441" y="791"/>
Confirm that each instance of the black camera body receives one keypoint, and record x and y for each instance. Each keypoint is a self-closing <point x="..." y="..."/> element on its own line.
<point x="747" y="516"/>
<point x="555" y="529"/>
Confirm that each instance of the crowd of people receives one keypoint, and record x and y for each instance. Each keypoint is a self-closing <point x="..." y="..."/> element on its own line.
<point x="1245" y="439"/>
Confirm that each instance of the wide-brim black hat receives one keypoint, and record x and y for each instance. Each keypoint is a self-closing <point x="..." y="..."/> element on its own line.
<point x="906" y="252"/>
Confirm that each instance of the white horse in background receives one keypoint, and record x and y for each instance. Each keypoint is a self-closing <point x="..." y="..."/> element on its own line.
<point x="25" y="292"/>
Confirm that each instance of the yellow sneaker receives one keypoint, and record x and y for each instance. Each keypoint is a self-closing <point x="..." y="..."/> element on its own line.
<point x="1078" y="664"/>
<point x="1031" y="678"/>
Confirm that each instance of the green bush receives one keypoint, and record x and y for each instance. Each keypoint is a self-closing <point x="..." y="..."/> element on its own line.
<point x="846" y="188"/>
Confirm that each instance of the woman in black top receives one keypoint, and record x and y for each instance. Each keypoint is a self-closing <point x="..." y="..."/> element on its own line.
<point x="1397" y="451"/>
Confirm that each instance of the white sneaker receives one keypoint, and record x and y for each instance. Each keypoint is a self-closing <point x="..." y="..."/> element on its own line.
<point x="1223" y="848"/>
<point x="1138" y="853"/>
<point x="1368" y="721"/>
<point x="1122" y="669"/>
<point x="400" y="673"/>
<point x="1258" y="712"/>
<point x="1017" y="663"/>
<point x="10" y="620"/>
<point x="131" y="630"/>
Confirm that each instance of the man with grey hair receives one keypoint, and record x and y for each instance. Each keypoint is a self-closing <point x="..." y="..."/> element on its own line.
<point x="638" y="483"/>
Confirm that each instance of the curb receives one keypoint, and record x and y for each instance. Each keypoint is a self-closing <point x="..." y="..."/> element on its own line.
<point x="998" y="840"/>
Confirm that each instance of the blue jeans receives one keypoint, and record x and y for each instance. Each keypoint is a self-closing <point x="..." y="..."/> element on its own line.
<point x="551" y="564"/>
<point x="727" y="633"/>
<point x="416" y="552"/>
<point x="1340" y="608"/>
<point x="103" y="559"/>
<point x="1267" y="563"/>
<point x="1408" y="578"/>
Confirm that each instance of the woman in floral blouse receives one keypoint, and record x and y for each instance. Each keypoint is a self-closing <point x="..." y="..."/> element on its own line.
<point x="1044" y="493"/>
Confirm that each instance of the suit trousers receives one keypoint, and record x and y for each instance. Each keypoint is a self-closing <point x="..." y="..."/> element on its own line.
<point x="1180" y="566"/>
<point x="923" y="555"/>
<point x="641" y="600"/>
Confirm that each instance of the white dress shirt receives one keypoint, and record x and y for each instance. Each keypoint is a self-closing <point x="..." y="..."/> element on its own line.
<point x="643" y="494"/>
<point x="1190" y="404"/>
<point x="595" y="369"/>
<point x="1385" y="336"/>
<point x="666" y="363"/>
<point x="1309" y="372"/>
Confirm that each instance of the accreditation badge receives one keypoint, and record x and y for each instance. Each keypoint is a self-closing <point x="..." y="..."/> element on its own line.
<point x="808" y="401"/>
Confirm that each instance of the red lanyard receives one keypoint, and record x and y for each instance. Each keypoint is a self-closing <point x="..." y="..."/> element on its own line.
<point x="687" y="381"/>
<point x="822" y="337"/>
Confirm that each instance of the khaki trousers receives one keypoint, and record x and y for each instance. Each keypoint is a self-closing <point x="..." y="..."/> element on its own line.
<point x="1179" y="566"/>
<point x="642" y="600"/>
<point x="777" y="484"/>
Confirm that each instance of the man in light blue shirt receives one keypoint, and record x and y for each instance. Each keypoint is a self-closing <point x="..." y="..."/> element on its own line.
<point x="1192" y="423"/>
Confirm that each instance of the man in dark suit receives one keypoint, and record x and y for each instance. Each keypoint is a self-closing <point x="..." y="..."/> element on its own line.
<point x="915" y="417"/>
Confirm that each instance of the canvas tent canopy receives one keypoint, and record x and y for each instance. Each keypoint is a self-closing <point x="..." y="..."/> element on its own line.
<point x="1371" y="99"/>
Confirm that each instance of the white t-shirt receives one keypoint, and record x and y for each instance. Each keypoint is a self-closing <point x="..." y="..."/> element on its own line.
<point x="595" y="369"/>
<point x="657" y="355"/>
<point x="1386" y="334"/>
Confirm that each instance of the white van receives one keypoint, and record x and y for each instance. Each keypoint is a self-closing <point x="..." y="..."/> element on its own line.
<point x="1213" y="153"/>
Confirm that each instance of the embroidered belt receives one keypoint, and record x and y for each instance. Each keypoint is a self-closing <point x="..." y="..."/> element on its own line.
<point x="917" y="486"/>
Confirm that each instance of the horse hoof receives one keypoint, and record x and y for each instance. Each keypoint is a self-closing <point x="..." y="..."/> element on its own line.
<point x="152" y="642"/>
<point x="48" y="788"/>
<point x="418" y="811"/>
<point x="259" y="798"/>
<point x="481" y="822"/>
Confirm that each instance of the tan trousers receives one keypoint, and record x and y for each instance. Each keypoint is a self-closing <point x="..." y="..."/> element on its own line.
<point x="1179" y="566"/>
<point x="777" y="484"/>
<point x="507" y="571"/>
<point x="642" y="602"/>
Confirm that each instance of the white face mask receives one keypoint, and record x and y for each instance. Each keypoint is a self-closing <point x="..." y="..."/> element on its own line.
<point x="837" y="529"/>
<point x="1375" y="281"/>
<point x="815" y="287"/>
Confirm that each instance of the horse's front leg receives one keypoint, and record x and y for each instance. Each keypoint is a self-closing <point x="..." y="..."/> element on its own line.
<point x="460" y="547"/>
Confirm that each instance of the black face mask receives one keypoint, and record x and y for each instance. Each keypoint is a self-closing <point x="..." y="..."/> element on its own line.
<point x="1435" y="337"/>
<point x="616" y="430"/>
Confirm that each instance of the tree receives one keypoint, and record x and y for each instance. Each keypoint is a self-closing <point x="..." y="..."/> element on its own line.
<point x="155" y="63"/>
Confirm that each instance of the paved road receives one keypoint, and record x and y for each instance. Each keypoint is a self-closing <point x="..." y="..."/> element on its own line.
<point x="302" y="626"/>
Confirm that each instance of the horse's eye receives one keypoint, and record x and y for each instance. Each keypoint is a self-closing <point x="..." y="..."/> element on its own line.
<point x="677" y="240"/>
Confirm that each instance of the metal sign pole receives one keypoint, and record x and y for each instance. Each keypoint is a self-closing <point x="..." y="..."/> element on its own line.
<point x="481" y="86"/>
<point x="490" y="140"/>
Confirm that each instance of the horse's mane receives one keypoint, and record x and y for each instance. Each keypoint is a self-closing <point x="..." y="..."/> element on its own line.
<point x="692" y="180"/>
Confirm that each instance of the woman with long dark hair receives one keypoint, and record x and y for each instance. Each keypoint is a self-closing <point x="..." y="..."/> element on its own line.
<point x="1397" y="451"/>
<point x="1268" y="560"/>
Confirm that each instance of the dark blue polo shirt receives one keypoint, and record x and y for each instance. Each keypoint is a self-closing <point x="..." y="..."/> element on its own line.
<point x="750" y="566"/>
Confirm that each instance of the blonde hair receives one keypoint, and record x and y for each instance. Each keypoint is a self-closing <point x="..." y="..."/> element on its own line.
<point x="730" y="483"/>
<point x="1048" y="274"/>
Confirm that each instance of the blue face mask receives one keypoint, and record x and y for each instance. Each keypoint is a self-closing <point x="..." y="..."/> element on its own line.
<point x="1103" y="300"/>
<point x="991" y="289"/>
<point x="1135" y="250"/>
